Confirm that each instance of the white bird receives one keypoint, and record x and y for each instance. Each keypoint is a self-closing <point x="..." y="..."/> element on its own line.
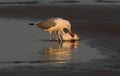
<point x="54" y="25"/>
<point x="67" y="37"/>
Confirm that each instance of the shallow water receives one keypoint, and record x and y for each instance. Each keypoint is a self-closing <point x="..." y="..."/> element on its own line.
<point x="25" y="45"/>
<point x="27" y="51"/>
<point x="21" y="42"/>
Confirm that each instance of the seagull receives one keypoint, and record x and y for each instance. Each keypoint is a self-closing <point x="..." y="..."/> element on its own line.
<point x="54" y="25"/>
<point x="63" y="36"/>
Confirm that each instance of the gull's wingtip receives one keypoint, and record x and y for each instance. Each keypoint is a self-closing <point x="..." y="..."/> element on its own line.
<point x="31" y="23"/>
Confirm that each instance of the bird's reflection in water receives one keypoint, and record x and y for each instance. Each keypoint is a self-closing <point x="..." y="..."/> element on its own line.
<point x="60" y="52"/>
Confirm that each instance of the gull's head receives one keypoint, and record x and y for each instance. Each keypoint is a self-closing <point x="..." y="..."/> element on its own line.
<point x="70" y="31"/>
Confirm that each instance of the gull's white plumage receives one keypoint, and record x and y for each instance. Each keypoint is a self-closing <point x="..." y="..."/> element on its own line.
<point x="66" y="36"/>
<point x="54" y="25"/>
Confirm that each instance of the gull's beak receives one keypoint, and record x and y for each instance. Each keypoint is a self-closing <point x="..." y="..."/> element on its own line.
<point x="70" y="32"/>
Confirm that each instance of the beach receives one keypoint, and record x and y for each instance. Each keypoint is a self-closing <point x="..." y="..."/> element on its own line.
<point x="27" y="51"/>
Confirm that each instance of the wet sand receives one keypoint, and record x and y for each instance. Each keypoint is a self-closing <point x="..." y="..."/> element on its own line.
<point x="27" y="51"/>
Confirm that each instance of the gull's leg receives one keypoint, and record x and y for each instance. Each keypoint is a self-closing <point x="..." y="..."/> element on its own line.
<point x="59" y="35"/>
<point x="56" y="37"/>
<point x="50" y="35"/>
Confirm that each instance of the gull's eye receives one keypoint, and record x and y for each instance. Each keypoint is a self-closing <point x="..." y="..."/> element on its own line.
<point x="65" y="30"/>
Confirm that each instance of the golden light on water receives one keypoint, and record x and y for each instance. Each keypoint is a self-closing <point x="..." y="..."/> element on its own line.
<point x="62" y="53"/>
